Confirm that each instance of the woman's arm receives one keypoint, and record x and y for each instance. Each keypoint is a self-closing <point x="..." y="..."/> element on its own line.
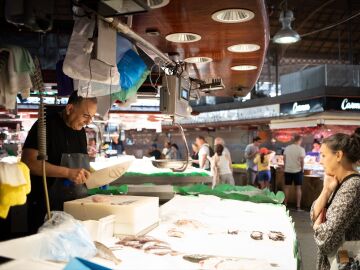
<point x="340" y="215"/>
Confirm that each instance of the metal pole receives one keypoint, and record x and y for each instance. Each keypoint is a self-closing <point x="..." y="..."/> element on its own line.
<point x="276" y="71"/>
<point x="351" y="57"/>
<point x="123" y="28"/>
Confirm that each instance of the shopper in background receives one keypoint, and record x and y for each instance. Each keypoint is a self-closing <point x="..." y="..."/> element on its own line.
<point x="226" y="152"/>
<point x="195" y="155"/>
<point x="204" y="153"/>
<point x="166" y="150"/>
<point x="294" y="156"/>
<point x="154" y="151"/>
<point x="251" y="151"/>
<point x="262" y="160"/>
<point x="336" y="212"/>
<point x="174" y="152"/>
<point x="220" y="168"/>
<point x="316" y="146"/>
<point x="91" y="149"/>
<point x="116" y="144"/>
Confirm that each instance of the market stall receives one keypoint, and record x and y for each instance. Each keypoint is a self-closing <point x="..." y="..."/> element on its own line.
<point x="203" y="232"/>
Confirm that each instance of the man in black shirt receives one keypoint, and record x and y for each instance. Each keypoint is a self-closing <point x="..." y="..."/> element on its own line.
<point x="68" y="162"/>
<point x="154" y="152"/>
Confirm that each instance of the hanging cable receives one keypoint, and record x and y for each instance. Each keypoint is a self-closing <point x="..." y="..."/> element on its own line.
<point x="331" y="25"/>
<point x="42" y="151"/>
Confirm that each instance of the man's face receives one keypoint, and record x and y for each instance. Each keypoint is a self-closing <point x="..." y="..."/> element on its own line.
<point x="257" y="143"/>
<point x="199" y="141"/>
<point x="80" y="115"/>
<point x="217" y="141"/>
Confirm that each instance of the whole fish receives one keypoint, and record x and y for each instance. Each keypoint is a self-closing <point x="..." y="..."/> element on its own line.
<point x="106" y="253"/>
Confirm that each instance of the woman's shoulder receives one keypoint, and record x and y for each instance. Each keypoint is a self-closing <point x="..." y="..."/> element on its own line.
<point x="353" y="181"/>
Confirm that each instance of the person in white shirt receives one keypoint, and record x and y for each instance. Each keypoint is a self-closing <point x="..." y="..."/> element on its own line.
<point x="220" y="168"/>
<point x="294" y="156"/>
<point x="166" y="151"/>
<point x="226" y="152"/>
<point x="204" y="153"/>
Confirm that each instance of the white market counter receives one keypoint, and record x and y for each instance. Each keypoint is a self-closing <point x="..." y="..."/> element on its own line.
<point x="206" y="225"/>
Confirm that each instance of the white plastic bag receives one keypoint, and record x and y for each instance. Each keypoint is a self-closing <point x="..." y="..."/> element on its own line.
<point x="78" y="63"/>
<point x="95" y="89"/>
<point x="64" y="238"/>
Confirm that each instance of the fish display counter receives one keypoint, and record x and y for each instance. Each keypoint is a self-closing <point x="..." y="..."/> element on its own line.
<point x="203" y="232"/>
<point x="143" y="171"/>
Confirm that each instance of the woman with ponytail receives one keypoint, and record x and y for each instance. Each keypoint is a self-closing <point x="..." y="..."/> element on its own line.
<point x="336" y="212"/>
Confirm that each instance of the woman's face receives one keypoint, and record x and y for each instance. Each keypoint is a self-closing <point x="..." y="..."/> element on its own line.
<point x="330" y="159"/>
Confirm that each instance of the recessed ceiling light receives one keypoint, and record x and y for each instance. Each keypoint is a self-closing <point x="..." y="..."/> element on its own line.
<point x="198" y="60"/>
<point x="157" y="3"/>
<point x="183" y="37"/>
<point x="244" y="67"/>
<point x="244" y="48"/>
<point x="233" y="15"/>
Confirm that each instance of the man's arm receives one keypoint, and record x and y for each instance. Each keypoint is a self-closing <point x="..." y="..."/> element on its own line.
<point x="302" y="163"/>
<point x="29" y="157"/>
<point x="202" y="161"/>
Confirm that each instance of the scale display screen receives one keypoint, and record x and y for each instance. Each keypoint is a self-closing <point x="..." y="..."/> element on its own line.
<point x="184" y="94"/>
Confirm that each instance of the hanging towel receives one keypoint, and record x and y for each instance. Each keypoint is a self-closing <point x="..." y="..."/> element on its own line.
<point x="11" y="174"/>
<point x="11" y="196"/>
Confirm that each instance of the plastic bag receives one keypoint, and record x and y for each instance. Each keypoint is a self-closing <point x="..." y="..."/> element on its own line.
<point x="78" y="63"/>
<point x="64" y="238"/>
<point x="95" y="89"/>
<point x="133" y="73"/>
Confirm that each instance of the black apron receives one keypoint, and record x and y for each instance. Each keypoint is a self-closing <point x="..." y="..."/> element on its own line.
<point x="64" y="190"/>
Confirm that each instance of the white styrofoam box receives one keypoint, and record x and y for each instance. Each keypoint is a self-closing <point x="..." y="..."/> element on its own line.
<point x="133" y="214"/>
<point x="107" y="171"/>
<point x="101" y="230"/>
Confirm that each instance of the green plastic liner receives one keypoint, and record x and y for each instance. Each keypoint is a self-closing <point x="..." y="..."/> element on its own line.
<point x="241" y="193"/>
<point x="169" y="174"/>
<point x="114" y="190"/>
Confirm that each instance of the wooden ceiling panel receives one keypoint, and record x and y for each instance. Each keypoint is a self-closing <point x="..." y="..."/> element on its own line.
<point x="195" y="17"/>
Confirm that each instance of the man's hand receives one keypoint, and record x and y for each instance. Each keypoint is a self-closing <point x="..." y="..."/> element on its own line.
<point x="78" y="176"/>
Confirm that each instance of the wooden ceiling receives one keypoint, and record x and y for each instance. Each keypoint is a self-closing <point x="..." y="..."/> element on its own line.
<point x="195" y="17"/>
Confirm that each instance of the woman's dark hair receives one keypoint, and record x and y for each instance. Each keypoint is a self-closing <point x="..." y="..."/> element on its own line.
<point x="262" y="158"/>
<point x="175" y="145"/>
<point x="219" y="149"/>
<point x="348" y="144"/>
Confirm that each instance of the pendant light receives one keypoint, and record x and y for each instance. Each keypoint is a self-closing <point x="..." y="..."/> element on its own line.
<point x="286" y="35"/>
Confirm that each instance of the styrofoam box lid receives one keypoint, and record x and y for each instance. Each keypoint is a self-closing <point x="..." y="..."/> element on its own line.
<point x="115" y="200"/>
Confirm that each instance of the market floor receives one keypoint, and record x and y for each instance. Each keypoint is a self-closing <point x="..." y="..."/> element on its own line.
<point x="306" y="240"/>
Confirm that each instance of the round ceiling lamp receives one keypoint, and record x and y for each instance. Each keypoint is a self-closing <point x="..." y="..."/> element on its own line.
<point x="157" y="3"/>
<point x="233" y="15"/>
<point x="242" y="48"/>
<point x="286" y="35"/>
<point x="243" y="67"/>
<point x="198" y="60"/>
<point x="183" y="37"/>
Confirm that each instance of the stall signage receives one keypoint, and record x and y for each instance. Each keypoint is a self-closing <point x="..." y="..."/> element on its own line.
<point x="343" y="104"/>
<point x="347" y="105"/>
<point x="304" y="106"/>
<point x="301" y="108"/>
